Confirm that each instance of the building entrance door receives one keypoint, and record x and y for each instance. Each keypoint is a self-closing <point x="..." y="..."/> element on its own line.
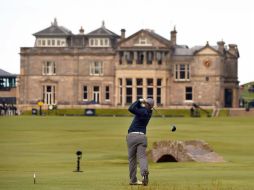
<point x="96" y="94"/>
<point x="49" y="94"/>
<point x="228" y="98"/>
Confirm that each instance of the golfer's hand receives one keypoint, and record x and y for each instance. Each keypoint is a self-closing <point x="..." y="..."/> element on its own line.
<point x="142" y="100"/>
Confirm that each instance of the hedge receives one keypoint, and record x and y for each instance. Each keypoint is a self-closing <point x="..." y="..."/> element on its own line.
<point x="122" y="112"/>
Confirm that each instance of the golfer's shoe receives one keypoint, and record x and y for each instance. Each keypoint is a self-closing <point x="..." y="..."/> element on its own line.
<point x="145" y="178"/>
<point x="136" y="183"/>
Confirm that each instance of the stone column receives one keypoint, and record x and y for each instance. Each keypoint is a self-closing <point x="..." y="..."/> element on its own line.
<point x="123" y="91"/>
<point x="154" y="58"/>
<point x="132" y="57"/>
<point x="155" y="91"/>
<point x="222" y="95"/>
<point x="124" y="61"/>
<point x="235" y="97"/>
<point x="117" y="90"/>
<point x="135" y="57"/>
<point x="144" y="88"/>
<point x="163" y="58"/>
<point x="118" y="58"/>
<point x="145" y="58"/>
<point x="164" y="94"/>
<point x="18" y="90"/>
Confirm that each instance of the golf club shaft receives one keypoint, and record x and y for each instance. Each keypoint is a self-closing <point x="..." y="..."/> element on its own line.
<point x="158" y="112"/>
<point x="174" y="128"/>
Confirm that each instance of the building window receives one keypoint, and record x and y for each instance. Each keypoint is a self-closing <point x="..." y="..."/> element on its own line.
<point x="182" y="72"/>
<point x="96" y="94"/>
<point x="50" y="42"/>
<point x="107" y="97"/>
<point x="91" y="42"/>
<point x="63" y="43"/>
<point x="106" y="42"/>
<point x="49" y="68"/>
<point x="142" y="41"/>
<point x="129" y="57"/>
<point x="149" y="57"/>
<point x="99" y="42"/>
<point x="149" y="88"/>
<point x="150" y="82"/>
<point x="128" y="90"/>
<point x="159" y="58"/>
<point x="158" y="99"/>
<point x="139" y="82"/>
<point x="7" y="82"/>
<point x="121" y="58"/>
<point x="85" y="93"/>
<point x="140" y="59"/>
<point x="38" y="42"/>
<point x="188" y="71"/>
<point x="96" y="68"/>
<point x="188" y="93"/>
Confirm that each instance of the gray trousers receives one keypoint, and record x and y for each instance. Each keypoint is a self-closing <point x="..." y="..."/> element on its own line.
<point x="137" y="144"/>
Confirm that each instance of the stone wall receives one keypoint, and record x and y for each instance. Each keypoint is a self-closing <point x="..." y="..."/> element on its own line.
<point x="183" y="151"/>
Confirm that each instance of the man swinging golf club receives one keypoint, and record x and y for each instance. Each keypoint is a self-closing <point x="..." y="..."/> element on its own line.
<point x="137" y="141"/>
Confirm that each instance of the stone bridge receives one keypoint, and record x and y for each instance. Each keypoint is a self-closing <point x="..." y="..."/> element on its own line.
<point x="183" y="151"/>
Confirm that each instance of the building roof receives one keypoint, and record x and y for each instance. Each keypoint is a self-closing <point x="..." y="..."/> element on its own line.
<point x="185" y="50"/>
<point x="103" y="32"/>
<point x="54" y="30"/>
<point x="6" y="74"/>
<point x="159" y="37"/>
<point x="151" y="33"/>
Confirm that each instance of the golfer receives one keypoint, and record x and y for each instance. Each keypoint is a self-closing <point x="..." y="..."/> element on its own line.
<point x="137" y="141"/>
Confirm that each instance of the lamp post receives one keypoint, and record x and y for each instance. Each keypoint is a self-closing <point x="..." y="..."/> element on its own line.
<point x="79" y="156"/>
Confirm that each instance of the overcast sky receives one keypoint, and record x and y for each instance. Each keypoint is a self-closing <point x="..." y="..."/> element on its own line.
<point x="196" y="21"/>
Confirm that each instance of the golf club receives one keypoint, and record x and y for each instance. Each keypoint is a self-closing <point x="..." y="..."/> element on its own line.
<point x="173" y="129"/>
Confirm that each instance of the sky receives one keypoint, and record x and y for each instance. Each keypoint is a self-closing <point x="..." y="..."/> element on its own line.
<point x="196" y="22"/>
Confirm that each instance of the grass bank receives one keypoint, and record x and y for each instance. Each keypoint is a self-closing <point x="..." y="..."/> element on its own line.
<point x="47" y="145"/>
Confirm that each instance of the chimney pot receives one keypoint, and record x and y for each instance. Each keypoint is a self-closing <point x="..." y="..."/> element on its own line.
<point x="123" y="34"/>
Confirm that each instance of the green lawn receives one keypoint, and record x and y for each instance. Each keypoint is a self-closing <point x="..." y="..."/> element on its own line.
<point x="47" y="146"/>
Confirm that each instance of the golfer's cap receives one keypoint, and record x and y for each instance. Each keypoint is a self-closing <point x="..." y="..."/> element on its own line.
<point x="150" y="102"/>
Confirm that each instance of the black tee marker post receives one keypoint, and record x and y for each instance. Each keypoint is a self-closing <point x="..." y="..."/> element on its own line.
<point x="79" y="156"/>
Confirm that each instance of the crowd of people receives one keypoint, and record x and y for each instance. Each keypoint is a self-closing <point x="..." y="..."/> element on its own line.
<point x="8" y="109"/>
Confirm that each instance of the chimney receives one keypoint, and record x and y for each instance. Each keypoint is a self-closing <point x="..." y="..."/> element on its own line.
<point x="54" y="23"/>
<point x="233" y="49"/>
<point x="173" y="36"/>
<point x="81" y="31"/>
<point x="221" y="46"/>
<point x="123" y="34"/>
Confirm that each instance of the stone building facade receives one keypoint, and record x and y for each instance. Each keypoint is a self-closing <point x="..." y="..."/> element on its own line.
<point x="104" y="69"/>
